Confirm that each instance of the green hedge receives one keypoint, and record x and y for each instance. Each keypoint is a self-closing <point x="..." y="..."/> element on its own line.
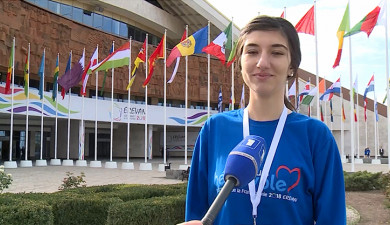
<point x="365" y="181"/>
<point x="26" y="212"/>
<point x="152" y="211"/>
<point x="92" y="205"/>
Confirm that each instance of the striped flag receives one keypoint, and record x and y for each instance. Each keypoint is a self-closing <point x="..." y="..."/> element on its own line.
<point x="344" y="27"/>
<point x="87" y="70"/>
<point x="9" y="71"/>
<point x="334" y="88"/>
<point x="26" y="75"/>
<point x="55" y="78"/>
<point x="41" y="74"/>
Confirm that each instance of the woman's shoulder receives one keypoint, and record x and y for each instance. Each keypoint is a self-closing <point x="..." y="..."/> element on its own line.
<point x="312" y="124"/>
<point x="232" y="115"/>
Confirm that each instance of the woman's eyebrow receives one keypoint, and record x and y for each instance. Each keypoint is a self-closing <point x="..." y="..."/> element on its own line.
<point x="279" y="46"/>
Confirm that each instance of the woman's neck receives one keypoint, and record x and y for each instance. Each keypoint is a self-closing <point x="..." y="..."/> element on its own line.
<point x="265" y="109"/>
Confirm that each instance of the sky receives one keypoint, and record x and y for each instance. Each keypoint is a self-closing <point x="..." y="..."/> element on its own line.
<point x="368" y="54"/>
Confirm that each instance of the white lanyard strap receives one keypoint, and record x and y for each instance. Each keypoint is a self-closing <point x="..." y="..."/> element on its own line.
<point x="256" y="196"/>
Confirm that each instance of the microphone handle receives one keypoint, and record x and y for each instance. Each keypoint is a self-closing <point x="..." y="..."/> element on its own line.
<point x="214" y="209"/>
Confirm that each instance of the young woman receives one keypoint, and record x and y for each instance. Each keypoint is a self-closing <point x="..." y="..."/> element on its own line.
<point x="305" y="183"/>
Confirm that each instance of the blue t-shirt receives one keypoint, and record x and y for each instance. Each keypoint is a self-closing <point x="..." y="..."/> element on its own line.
<point x="305" y="182"/>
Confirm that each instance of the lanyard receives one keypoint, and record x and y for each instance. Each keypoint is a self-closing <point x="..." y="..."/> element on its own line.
<point x="256" y="196"/>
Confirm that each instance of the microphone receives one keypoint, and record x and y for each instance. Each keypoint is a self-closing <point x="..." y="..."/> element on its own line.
<point x="241" y="167"/>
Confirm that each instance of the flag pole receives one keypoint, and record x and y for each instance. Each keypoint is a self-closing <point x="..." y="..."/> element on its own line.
<point x="96" y="163"/>
<point x="128" y="112"/>
<point x="81" y="127"/>
<point x="208" y="71"/>
<point x="375" y="125"/>
<point x="316" y="49"/>
<point x="28" y="99"/>
<point x="146" y="100"/>
<point x="186" y="104"/>
<point x="112" y="164"/>
<point x="56" y="123"/>
<point x="165" y="96"/>
<point x="387" y="85"/>
<point x="351" y="105"/>
<point x="342" y="123"/>
<point x="68" y="162"/>
<point x="11" y="163"/>
<point x="357" y="118"/>
<point x="128" y="165"/>
<point x="231" y="30"/>
<point x="43" y="90"/>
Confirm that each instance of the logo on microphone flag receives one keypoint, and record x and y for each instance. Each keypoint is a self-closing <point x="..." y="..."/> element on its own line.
<point x="243" y="162"/>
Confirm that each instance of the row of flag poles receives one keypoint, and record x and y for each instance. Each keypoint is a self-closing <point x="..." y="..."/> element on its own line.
<point x="378" y="16"/>
<point x="197" y="43"/>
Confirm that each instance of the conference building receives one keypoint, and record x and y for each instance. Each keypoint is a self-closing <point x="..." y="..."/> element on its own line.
<point x="99" y="121"/>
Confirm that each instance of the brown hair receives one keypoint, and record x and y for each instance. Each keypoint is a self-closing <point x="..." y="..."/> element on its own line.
<point x="267" y="23"/>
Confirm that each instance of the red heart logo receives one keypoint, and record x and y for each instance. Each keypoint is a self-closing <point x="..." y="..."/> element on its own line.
<point x="290" y="171"/>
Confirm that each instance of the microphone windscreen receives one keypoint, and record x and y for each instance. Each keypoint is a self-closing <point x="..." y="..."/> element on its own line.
<point x="244" y="160"/>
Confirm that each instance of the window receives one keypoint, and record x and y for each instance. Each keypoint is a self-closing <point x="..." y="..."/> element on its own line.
<point x="123" y="30"/>
<point x="42" y="3"/>
<point x="87" y="17"/>
<point x="66" y="11"/>
<point x="78" y="15"/>
<point x="107" y="24"/>
<point x="54" y="7"/>
<point x="115" y="27"/>
<point x="97" y="21"/>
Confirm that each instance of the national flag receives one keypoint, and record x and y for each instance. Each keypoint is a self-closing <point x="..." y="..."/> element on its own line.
<point x="292" y="90"/>
<point x="321" y="86"/>
<point x="282" y="15"/>
<point x="306" y="24"/>
<point x="331" y="110"/>
<point x="343" y="112"/>
<point x="232" y="55"/>
<point x="365" y="110"/>
<point x="231" y="102"/>
<point x="305" y="91"/>
<point x="370" y="87"/>
<point x="73" y="76"/>
<point x="92" y="62"/>
<point x="334" y="88"/>
<point x="355" y="88"/>
<point x="322" y="114"/>
<point x="354" y="112"/>
<point x="242" y="101"/>
<point x="41" y="74"/>
<point x="191" y="45"/>
<point x="10" y="67"/>
<point x="218" y="47"/>
<point x="367" y="24"/>
<point x="26" y="74"/>
<point x="309" y="97"/>
<point x="118" y="58"/>
<point x="105" y="73"/>
<point x="55" y="78"/>
<point x="354" y="92"/>
<point x="220" y="100"/>
<point x="183" y="37"/>
<point x="66" y="70"/>
<point x="157" y="54"/>
<point x="140" y="58"/>
<point x="344" y="27"/>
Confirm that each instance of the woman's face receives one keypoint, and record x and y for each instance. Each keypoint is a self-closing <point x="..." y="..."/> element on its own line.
<point x="265" y="62"/>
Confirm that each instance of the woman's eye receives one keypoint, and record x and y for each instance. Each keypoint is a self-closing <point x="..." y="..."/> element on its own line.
<point x="251" y="52"/>
<point x="278" y="53"/>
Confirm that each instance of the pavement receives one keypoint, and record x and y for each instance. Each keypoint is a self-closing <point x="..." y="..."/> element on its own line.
<point x="49" y="178"/>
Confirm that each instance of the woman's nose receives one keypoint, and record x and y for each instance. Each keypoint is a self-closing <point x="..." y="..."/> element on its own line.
<point x="263" y="61"/>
